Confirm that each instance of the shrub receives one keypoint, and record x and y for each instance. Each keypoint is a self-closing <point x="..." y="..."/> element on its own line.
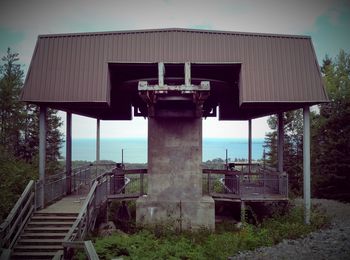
<point x="162" y="242"/>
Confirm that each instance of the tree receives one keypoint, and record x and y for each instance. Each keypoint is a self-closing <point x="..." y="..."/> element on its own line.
<point x="30" y="146"/>
<point x="19" y="129"/>
<point x="330" y="143"/>
<point x="19" y="135"/>
<point x="11" y="110"/>
<point x="331" y="133"/>
<point x="292" y="153"/>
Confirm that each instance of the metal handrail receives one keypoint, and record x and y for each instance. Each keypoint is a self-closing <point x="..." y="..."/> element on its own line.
<point x="86" y="245"/>
<point x="231" y="181"/>
<point x="88" y="213"/>
<point x="17" y="218"/>
<point x="83" y="214"/>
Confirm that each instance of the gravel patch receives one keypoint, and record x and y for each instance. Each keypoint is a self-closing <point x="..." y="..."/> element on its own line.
<point x="331" y="243"/>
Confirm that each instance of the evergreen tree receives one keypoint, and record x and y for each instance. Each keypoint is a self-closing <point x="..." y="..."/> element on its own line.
<point x="330" y="144"/>
<point x="19" y="128"/>
<point x="292" y="152"/>
<point x="19" y="135"/>
<point x="331" y="134"/>
<point x="11" y="110"/>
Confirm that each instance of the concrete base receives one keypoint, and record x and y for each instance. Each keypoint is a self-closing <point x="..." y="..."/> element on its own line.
<point x="180" y="215"/>
<point x="175" y="176"/>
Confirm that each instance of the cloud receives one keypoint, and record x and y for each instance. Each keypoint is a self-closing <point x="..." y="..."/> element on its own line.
<point x="32" y="18"/>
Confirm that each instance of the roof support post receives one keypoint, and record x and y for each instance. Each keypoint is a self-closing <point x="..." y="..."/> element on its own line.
<point x="161" y="72"/>
<point x="69" y="153"/>
<point x="187" y="73"/>
<point x="306" y="164"/>
<point x="42" y="152"/>
<point x="280" y="140"/>
<point x="249" y="144"/>
<point x="98" y="141"/>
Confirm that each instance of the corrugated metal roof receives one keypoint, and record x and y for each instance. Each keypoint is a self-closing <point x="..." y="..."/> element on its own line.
<point x="74" y="67"/>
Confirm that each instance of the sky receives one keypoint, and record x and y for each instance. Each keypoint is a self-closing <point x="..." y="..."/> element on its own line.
<point x="21" y="21"/>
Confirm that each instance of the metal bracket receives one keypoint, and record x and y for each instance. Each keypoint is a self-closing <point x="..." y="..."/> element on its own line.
<point x="188" y="92"/>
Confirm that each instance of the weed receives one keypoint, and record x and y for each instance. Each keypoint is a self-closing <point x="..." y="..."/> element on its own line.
<point x="162" y="242"/>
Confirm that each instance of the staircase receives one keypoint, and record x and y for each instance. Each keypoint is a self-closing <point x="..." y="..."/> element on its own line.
<point x="43" y="235"/>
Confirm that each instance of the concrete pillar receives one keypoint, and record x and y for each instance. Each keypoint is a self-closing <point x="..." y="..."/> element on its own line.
<point x="69" y="153"/>
<point x="175" y="176"/>
<point x="280" y="140"/>
<point x="98" y="140"/>
<point x="249" y="144"/>
<point x="306" y="164"/>
<point x="42" y="151"/>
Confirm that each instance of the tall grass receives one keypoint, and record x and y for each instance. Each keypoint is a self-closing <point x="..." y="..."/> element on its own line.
<point x="162" y="243"/>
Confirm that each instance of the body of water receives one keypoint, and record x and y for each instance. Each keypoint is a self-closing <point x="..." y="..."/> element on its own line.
<point x="135" y="150"/>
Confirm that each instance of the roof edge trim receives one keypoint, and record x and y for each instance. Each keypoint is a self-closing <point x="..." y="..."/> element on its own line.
<point x="174" y="30"/>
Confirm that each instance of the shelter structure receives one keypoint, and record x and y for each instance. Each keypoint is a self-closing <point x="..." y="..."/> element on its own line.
<point x="175" y="77"/>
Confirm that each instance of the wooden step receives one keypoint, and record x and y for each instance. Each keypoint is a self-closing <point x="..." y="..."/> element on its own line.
<point x="56" y="214"/>
<point x="38" y="248"/>
<point x="40" y="241"/>
<point x="50" y="224"/>
<point x="33" y="255"/>
<point x="53" y="218"/>
<point x="41" y="229"/>
<point x="37" y="235"/>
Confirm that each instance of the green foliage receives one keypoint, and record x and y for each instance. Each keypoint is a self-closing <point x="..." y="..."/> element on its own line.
<point x="14" y="176"/>
<point x="11" y="110"/>
<point x="163" y="243"/>
<point x="292" y="225"/>
<point x="330" y="143"/>
<point x="19" y="139"/>
<point x="331" y="133"/>
<point x="293" y="147"/>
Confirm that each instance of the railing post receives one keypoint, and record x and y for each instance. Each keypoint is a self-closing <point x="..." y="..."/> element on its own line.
<point x="79" y="228"/>
<point x="306" y="164"/>
<point x="69" y="153"/>
<point x="209" y="183"/>
<point x="42" y="151"/>
<point x="242" y="211"/>
<point x="264" y="181"/>
<point x="141" y="184"/>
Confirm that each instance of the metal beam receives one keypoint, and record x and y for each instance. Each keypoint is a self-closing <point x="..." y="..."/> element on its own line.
<point x="249" y="144"/>
<point x="42" y="151"/>
<point x="203" y="86"/>
<point x="280" y="141"/>
<point x="98" y="140"/>
<point x="69" y="153"/>
<point x="306" y="164"/>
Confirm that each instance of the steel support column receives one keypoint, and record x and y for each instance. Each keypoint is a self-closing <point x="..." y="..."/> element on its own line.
<point x="280" y="143"/>
<point x="69" y="153"/>
<point x="42" y="152"/>
<point x="306" y="164"/>
<point x="249" y="144"/>
<point x="98" y="141"/>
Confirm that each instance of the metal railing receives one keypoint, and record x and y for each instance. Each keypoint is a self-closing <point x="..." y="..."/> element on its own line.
<point x="131" y="181"/>
<point x="13" y="225"/>
<point x="244" y="185"/>
<point x="86" y="219"/>
<point x="82" y="177"/>
<point x="88" y="247"/>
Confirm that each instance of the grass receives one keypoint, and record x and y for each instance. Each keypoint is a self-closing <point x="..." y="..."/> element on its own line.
<point x="162" y="243"/>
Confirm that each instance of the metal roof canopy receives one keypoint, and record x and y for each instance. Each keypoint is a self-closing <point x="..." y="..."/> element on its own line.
<point x="96" y="74"/>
